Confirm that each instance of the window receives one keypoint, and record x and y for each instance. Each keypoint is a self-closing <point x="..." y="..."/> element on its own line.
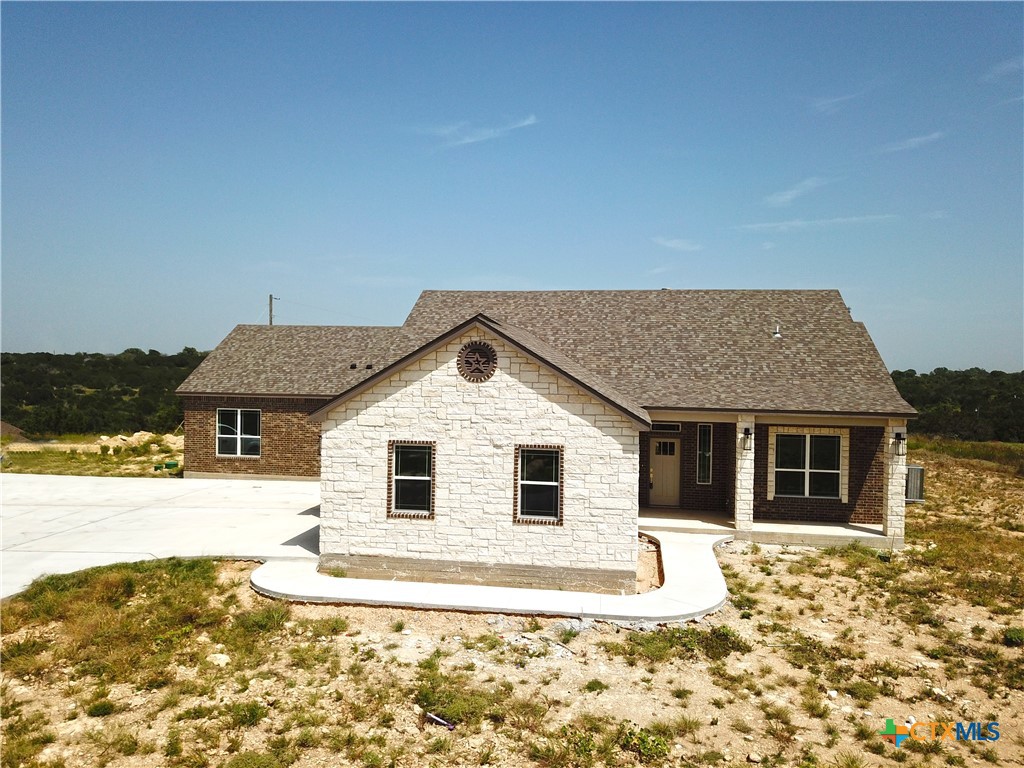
<point x="538" y="484"/>
<point x="411" y="479"/>
<point x="807" y="465"/>
<point x="238" y="432"/>
<point x="665" y="448"/>
<point x="666" y="426"/>
<point x="704" y="454"/>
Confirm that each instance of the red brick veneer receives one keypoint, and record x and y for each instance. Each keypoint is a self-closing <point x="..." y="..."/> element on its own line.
<point x="290" y="442"/>
<point x="716" y="497"/>
<point x="866" y="489"/>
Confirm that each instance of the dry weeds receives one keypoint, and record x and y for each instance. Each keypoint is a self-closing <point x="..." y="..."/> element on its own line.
<point x="814" y="652"/>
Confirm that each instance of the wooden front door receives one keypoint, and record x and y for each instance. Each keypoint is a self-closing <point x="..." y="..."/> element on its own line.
<point x="664" y="472"/>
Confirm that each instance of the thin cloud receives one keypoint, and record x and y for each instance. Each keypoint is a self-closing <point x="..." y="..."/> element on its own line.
<point x="461" y="134"/>
<point x="677" y="244"/>
<point x="831" y="105"/>
<point x="796" y="225"/>
<point x="935" y="215"/>
<point x="787" y="196"/>
<point x="1008" y="68"/>
<point x="911" y="143"/>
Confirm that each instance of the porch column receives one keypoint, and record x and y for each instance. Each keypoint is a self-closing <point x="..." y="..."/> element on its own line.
<point x="743" y="507"/>
<point x="894" y="501"/>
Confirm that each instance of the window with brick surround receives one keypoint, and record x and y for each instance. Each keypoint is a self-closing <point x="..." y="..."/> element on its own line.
<point x="808" y="465"/>
<point x="411" y="479"/>
<point x="538" y="478"/>
<point x="238" y="432"/>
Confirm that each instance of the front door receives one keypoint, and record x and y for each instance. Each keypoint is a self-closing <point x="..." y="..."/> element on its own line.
<point x="664" y="472"/>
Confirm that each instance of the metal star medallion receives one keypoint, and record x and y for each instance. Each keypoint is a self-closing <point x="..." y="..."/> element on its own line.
<point x="477" y="361"/>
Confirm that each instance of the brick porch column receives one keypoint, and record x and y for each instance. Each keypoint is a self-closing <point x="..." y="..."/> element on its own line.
<point x="743" y="508"/>
<point x="895" y="498"/>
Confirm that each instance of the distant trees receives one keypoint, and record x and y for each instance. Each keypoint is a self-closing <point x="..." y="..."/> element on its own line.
<point x="47" y="394"/>
<point x="967" y="405"/>
<point x="43" y="394"/>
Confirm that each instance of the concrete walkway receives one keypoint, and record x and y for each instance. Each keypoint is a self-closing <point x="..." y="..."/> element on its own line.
<point x="60" y="524"/>
<point x="694" y="586"/>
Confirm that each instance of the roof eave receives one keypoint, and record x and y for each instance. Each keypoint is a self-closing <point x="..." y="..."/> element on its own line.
<point x="640" y="417"/>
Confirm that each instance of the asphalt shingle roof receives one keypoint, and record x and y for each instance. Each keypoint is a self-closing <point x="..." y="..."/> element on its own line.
<point x="296" y="360"/>
<point x="698" y="349"/>
<point x="660" y="349"/>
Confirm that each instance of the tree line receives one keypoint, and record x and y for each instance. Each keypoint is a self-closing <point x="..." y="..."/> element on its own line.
<point x="47" y="394"/>
<point x="966" y="405"/>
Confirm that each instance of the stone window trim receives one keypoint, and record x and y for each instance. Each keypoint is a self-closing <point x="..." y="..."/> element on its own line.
<point x="843" y="433"/>
<point x="705" y="457"/>
<point x="238" y="436"/>
<point x="405" y="514"/>
<point x="518" y="519"/>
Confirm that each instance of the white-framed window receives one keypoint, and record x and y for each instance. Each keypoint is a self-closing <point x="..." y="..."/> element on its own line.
<point x="238" y="432"/>
<point x="666" y="426"/>
<point x="704" y="433"/>
<point x="411" y="479"/>
<point x="808" y="465"/>
<point x="538" y="484"/>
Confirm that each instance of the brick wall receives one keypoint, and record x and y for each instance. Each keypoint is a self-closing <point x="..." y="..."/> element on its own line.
<point x="290" y="442"/>
<point x="866" y="484"/>
<point x="716" y="497"/>
<point x="476" y="428"/>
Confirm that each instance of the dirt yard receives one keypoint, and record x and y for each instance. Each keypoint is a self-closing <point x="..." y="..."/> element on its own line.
<point x="143" y="454"/>
<point x="173" y="665"/>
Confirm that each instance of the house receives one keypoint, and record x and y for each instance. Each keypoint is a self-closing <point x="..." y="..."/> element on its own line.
<point x="514" y="437"/>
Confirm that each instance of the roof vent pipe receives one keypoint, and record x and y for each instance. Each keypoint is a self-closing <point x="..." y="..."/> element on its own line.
<point x="778" y="332"/>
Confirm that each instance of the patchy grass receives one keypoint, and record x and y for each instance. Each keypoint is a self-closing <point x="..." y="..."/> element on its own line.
<point x="1007" y="455"/>
<point x="679" y="642"/>
<point x="121" y="461"/>
<point x="811" y="642"/>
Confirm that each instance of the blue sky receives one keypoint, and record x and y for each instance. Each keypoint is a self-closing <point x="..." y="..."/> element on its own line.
<point x="167" y="166"/>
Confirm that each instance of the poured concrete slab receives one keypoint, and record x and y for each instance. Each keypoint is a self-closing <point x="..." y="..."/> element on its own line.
<point x="60" y="524"/>
<point x="807" y="534"/>
<point x="693" y="586"/>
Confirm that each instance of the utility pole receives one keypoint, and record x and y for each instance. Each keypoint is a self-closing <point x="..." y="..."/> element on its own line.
<point x="272" y="297"/>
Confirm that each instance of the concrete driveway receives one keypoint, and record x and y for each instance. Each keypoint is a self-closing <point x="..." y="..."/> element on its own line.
<point x="58" y="524"/>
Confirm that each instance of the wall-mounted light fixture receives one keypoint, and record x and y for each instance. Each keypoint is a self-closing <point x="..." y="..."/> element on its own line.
<point x="899" y="443"/>
<point x="748" y="438"/>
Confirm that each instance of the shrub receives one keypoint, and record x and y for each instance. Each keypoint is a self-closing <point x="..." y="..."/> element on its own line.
<point x="595" y="686"/>
<point x="863" y="690"/>
<point x="253" y="760"/>
<point x="451" y="696"/>
<point x="100" y="708"/>
<point x="1013" y="637"/>
<point x="645" y="745"/>
<point x="268" y="619"/>
<point x="246" y="714"/>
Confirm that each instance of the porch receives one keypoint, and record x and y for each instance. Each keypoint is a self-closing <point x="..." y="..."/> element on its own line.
<point x="659" y="519"/>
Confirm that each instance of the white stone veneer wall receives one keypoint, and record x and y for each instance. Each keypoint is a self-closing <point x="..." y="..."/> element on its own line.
<point x="476" y="428"/>
<point x="743" y="513"/>
<point x="894" y="513"/>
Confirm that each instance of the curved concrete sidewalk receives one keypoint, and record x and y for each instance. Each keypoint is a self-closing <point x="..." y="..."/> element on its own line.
<point x="693" y="587"/>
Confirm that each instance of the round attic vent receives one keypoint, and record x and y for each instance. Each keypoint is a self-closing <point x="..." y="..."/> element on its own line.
<point x="477" y="361"/>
